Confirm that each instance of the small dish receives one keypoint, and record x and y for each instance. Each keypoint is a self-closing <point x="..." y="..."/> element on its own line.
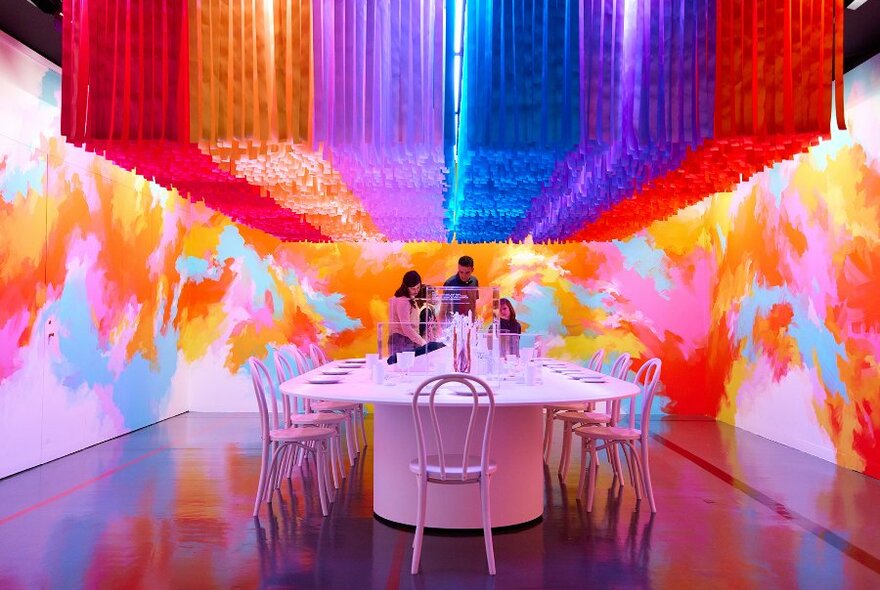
<point x="358" y="361"/>
<point x="323" y="380"/>
<point x="468" y="392"/>
<point x="592" y="379"/>
<point x="335" y="372"/>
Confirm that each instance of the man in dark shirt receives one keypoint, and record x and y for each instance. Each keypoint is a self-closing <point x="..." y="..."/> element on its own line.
<point x="465" y="276"/>
<point x="466" y="300"/>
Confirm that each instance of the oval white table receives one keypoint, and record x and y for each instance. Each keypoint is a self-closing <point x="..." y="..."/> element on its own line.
<point x="517" y="492"/>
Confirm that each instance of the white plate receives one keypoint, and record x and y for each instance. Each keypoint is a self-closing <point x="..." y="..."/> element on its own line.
<point x="593" y="379"/>
<point x="358" y="361"/>
<point x="323" y="380"/>
<point x="335" y="372"/>
<point x="348" y="366"/>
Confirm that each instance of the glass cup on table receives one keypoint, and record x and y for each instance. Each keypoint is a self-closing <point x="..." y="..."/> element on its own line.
<point x="406" y="360"/>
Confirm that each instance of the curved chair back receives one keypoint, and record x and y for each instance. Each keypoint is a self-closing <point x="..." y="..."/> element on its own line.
<point x="480" y="391"/>
<point x="302" y="364"/>
<point x="317" y="355"/>
<point x="647" y="379"/>
<point x="284" y="370"/>
<point x="596" y="360"/>
<point x="264" y="390"/>
<point x="621" y="366"/>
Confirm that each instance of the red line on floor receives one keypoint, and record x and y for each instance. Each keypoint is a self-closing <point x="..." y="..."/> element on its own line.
<point x="79" y="486"/>
<point x="396" y="562"/>
<point x="868" y="560"/>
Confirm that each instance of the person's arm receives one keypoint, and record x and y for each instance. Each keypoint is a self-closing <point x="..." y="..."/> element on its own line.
<point x="401" y="313"/>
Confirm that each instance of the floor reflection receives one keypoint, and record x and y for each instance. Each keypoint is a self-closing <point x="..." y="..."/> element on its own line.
<point x="170" y="507"/>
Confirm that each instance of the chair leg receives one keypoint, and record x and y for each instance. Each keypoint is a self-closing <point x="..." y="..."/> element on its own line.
<point x="566" y="449"/>
<point x="321" y="477"/>
<point x="274" y="465"/>
<point x="333" y="445"/>
<point x="646" y="478"/>
<point x="264" y="468"/>
<point x="487" y="524"/>
<point x="582" y="482"/>
<point x="629" y="466"/>
<point x="422" y="484"/>
<point x="350" y="435"/>
<point x="548" y="434"/>
<point x="635" y="468"/>
<point x="287" y="465"/>
<point x="362" y="428"/>
<point x="340" y="462"/>
<point x="618" y="466"/>
<point x="594" y="470"/>
<point x="331" y="491"/>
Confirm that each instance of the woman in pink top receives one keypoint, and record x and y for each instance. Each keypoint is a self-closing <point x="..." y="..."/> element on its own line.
<point x="403" y="315"/>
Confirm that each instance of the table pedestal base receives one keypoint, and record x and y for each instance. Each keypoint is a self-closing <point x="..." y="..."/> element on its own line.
<point x="517" y="488"/>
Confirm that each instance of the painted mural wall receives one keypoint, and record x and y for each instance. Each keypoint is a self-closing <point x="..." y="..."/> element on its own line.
<point x="795" y="336"/>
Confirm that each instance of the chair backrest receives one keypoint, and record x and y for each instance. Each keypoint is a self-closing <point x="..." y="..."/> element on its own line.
<point x="647" y="379"/>
<point x="284" y="370"/>
<point x="264" y="390"/>
<point x="595" y="363"/>
<point x="480" y="391"/>
<point x="303" y="364"/>
<point x="317" y="355"/>
<point x="621" y="366"/>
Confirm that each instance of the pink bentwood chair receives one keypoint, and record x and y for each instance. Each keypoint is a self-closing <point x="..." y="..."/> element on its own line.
<point x="594" y="438"/>
<point x="572" y="419"/>
<point x="595" y="364"/>
<point x="278" y="441"/>
<point x="348" y="409"/>
<point x="294" y="417"/>
<point x="459" y="468"/>
<point x="318" y="358"/>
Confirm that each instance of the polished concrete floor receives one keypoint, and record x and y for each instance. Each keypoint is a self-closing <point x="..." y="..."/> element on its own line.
<point x="170" y="506"/>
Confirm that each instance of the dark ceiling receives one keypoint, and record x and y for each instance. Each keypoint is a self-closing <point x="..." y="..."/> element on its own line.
<point x="42" y="32"/>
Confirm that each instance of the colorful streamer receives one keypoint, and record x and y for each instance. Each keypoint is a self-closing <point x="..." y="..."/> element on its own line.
<point x="572" y="119"/>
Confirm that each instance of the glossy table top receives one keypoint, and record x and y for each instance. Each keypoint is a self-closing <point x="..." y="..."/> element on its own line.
<point x="556" y="387"/>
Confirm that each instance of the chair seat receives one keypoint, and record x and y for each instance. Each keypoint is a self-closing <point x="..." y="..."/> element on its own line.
<point x="317" y="418"/>
<point x="331" y="406"/>
<point x="572" y="407"/>
<point x="453" y="467"/>
<point x="300" y="434"/>
<point x="609" y="432"/>
<point x="584" y="417"/>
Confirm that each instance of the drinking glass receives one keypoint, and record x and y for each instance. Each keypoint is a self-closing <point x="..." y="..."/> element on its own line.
<point x="406" y="360"/>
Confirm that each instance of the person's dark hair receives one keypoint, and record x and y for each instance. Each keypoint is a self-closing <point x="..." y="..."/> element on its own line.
<point x="466" y="261"/>
<point x="506" y="301"/>
<point x="422" y="296"/>
<point x="410" y="279"/>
